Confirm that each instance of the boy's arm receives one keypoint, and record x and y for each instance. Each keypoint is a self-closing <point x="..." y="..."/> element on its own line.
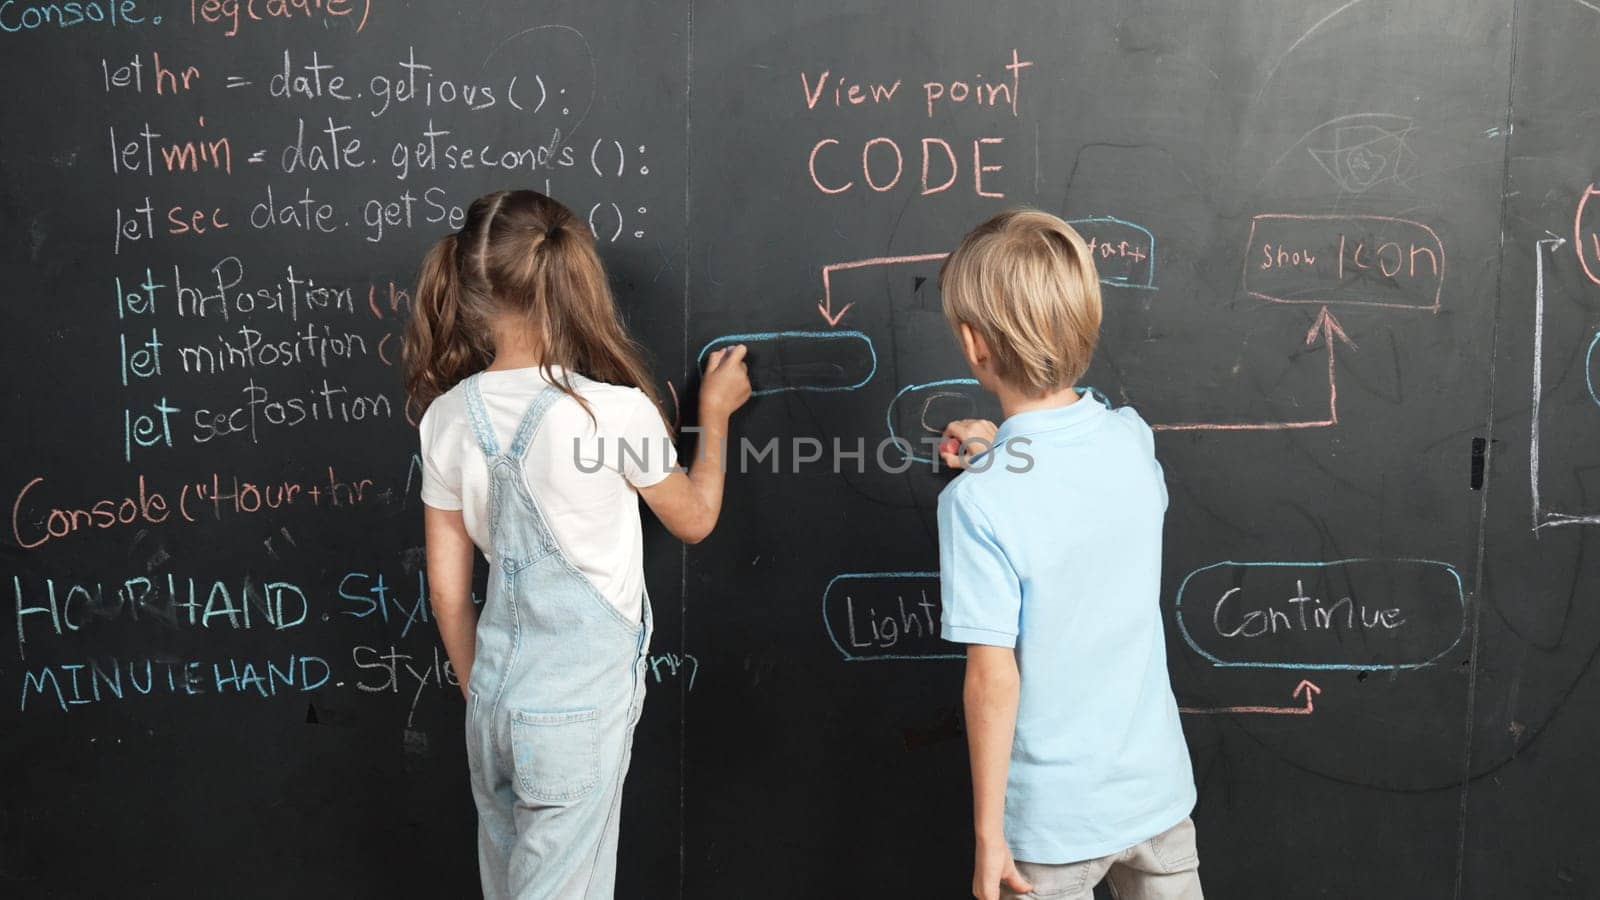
<point x="982" y="599"/>
<point x="990" y="697"/>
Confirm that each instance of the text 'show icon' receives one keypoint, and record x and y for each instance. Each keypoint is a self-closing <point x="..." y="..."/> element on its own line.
<point x="1348" y="260"/>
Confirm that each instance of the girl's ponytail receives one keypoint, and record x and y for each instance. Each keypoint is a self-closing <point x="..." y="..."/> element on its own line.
<point x="518" y="253"/>
<point x="440" y="349"/>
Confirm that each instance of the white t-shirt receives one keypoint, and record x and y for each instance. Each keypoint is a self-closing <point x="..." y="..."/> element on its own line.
<point x="585" y="478"/>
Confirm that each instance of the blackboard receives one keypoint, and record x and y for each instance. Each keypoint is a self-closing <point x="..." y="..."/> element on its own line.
<point x="1351" y="264"/>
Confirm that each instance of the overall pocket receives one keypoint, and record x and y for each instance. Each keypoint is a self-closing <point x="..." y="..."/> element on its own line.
<point x="556" y="754"/>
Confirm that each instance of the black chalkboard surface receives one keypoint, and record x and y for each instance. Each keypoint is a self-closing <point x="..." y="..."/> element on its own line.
<point x="1351" y="264"/>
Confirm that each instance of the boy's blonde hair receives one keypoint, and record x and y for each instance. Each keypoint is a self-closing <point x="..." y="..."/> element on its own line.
<point x="1025" y="282"/>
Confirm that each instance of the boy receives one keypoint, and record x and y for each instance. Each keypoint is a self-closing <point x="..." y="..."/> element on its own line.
<point x="1050" y="566"/>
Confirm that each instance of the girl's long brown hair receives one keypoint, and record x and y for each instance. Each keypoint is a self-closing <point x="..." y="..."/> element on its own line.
<point x="519" y="253"/>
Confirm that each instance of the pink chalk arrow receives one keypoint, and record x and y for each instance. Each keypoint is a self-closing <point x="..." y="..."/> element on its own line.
<point x="826" y="306"/>
<point x="1325" y="326"/>
<point x="1328" y="326"/>
<point x="1305" y="687"/>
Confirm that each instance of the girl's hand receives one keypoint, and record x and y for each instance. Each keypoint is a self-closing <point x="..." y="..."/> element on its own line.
<point x="726" y="384"/>
<point x="689" y="504"/>
<point x="965" y="438"/>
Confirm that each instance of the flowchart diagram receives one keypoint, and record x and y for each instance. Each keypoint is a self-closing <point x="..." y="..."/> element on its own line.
<point x="1377" y="262"/>
<point x="1352" y="614"/>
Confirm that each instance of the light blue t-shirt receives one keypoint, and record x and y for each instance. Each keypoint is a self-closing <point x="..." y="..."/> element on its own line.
<point x="1063" y="562"/>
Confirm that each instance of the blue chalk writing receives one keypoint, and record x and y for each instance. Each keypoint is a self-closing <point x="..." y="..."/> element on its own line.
<point x="94" y="681"/>
<point x="64" y="607"/>
<point x="674" y="664"/>
<point x="18" y="17"/>
<point x="370" y="594"/>
<point x="1120" y="262"/>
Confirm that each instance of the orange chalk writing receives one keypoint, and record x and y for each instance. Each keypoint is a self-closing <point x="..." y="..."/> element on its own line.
<point x="978" y="168"/>
<point x="232" y="15"/>
<point x="36" y="521"/>
<point x="979" y="91"/>
<point x="845" y="93"/>
<point x="1355" y="260"/>
<point x="950" y="155"/>
<point x="866" y="162"/>
<point x="883" y="163"/>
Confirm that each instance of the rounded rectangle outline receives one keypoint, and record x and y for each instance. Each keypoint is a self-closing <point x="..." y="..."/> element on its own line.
<point x="752" y="337"/>
<point x="1177" y="608"/>
<point x="1149" y="283"/>
<point x="880" y="576"/>
<point x="1250" y="242"/>
<point x="888" y="416"/>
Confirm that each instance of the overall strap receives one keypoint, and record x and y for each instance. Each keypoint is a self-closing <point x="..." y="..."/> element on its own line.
<point x="531" y="419"/>
<point x="484" y="431"/>
<point x="479" y="415"/>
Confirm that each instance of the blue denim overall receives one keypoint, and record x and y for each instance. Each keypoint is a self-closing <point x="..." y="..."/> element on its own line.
<point x="556" y="689"/>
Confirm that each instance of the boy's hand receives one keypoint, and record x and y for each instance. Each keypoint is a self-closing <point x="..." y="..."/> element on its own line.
<point x="964" y="438"/>
<point x="992" y="866"/>
<point x="726" y="384"/>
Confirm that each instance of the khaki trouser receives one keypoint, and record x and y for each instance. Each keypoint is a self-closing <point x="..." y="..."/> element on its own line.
<point x="1166" y="867"/>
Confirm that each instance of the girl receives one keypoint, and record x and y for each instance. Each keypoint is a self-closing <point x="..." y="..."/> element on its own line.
<point x="541" y="429"/>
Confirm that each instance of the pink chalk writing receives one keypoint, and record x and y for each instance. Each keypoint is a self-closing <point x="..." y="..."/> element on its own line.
<point x="1353" y="260"/>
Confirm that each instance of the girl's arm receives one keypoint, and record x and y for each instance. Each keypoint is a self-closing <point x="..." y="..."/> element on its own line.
<point x="450" y="587"/>
<point x="688" y="505"/>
